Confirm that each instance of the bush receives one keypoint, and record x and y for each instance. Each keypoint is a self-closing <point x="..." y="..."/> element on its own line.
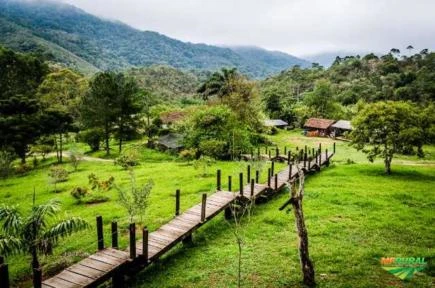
<point x="92" y="137"/>
<point x="23" y="168"/>
<point x="95" y="198"/>
<point x="203" y="163"/>
<point x="75" y="157"/>
<point x="213" y="148"/>
<point x="6" y="159"/>
<point x="188" y="154"/>
<point x="97" y="185"/>
<point x="57" y="174"/>
<point x="42" y="149"/>
<point x="79" y="193"/>
<point x="127" y="160"/>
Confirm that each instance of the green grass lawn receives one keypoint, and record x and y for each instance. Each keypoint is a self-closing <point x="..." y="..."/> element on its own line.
<point x="354" y="214"/>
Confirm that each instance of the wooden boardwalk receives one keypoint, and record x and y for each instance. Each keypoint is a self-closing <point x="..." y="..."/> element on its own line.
<point x="110" y="262"/>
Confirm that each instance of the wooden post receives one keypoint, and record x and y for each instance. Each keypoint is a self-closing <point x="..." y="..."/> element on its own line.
<point x="305" y="149"/>
<point x="100" y="236"/>
<point x="270" y="156"/>
<point x="229" y="183"/>
<point x="249" y="173"/>
<point x="203" y="206"/>
<point x="285" y="150"/>
<point x="276" y="182"/>
<point x="114" y="235"/>
<point x="4" y="273"/>
<point x="145" y="243"/>
<point x="252" y="187"/>
<point x="309" y="164"/>
<point x="297" y="148"/>
<point x="320" y="157"/>
<point x="327" y="156"/>
<point x="132" y="230"/>
<point x="257" y="176"/>
<point x="177" y="202"/>
<point x="268" y="177"/>
<point x="312" y="153"/>
<point x="241" y="184"/>
<point x="290" y="172"/>
<point x="333" y="148"/>
<point x="320" y="147"/>
<point x="276" y="152"/>
<point x="273" y="168"/>
<point x="305" y="159"/>
<point x="289" y="154"/>
<point x="218" y="180"/>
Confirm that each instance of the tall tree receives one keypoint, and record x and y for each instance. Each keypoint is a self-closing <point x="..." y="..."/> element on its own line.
<point x="20" y="110"/>
<point x="99" y="106"/>
<point x="129" y="108"/>
<point x="386" y="128"/>
<point x="60" y="94"/>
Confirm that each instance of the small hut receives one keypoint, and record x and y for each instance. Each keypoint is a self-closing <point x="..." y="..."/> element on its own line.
<point x="318" y="127"/>
<point x="169" y="118"/>
<point x="341" y="127"/>
<point x="170" y="142"/>
<point x="278" y="123"/>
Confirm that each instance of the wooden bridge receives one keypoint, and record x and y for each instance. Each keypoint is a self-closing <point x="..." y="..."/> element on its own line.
<point x="114" y="263"/>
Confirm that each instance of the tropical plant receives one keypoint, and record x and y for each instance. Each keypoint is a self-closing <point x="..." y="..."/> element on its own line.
<point x="135" y="198"/>
<point x="36" y="232"/>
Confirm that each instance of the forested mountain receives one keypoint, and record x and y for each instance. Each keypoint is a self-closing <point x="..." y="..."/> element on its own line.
<point x="338" y="91"/>
<point x="71" y="36"/>
<point x="166" y="82"/>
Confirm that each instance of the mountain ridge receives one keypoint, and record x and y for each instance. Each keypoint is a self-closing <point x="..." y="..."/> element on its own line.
<point x="91" y="43"/>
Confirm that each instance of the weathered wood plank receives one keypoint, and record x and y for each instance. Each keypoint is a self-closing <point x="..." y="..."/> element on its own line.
<point x="85" y="271"/>
<point x="74" y="278"/>
<point x="60" y="283"/>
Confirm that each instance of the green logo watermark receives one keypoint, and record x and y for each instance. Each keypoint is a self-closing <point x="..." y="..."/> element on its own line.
<point x="404" y="268"/>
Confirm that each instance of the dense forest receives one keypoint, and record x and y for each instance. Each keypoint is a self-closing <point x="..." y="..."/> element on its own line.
<point x="68" y="35"/>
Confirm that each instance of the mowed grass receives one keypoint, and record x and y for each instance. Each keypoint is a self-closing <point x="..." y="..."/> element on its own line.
<point x="354" y="215"/>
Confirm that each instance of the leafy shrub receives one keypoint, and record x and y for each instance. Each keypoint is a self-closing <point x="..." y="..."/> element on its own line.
<point x="23" y="168"/>
<point x="79" y="193"/>
<point x="135" y="199"/>
<point x="213" y="148"/>
<point x="188" y="154"/>
<point x="42" y="149"/>
<point x="93" y="138"/>
<point x="6" y="159"/>
<point x="127" y="160"/>
<point x="203" y="163"/>
<point x="57" y="174"/>
<point x="75" y="157"/>
<point x="103" y="185"/>
<point x="95" y="198"/>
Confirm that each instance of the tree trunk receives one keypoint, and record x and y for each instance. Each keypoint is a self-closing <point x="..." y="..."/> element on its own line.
<point x="388" y="165"/>
<point x="121" y="128"/>
<point x="106" y="135"/>
<point x="60" y="147"/>
<point x="36" y="269"/>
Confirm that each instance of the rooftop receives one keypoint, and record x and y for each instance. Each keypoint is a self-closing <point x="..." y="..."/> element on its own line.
<point x="319" y="123"/>
<point x="343" y="124"/>
<point x="274" y="122"/>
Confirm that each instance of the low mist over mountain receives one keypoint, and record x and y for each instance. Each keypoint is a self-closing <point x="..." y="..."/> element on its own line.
<point x="66" y="34"/>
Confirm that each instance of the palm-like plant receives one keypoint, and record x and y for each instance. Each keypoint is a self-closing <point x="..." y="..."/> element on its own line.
<point x="219" y="83"/>
<point x="35" y="233"/>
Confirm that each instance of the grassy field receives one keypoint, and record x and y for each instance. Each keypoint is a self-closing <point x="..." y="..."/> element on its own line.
<point x="354" y="214"/>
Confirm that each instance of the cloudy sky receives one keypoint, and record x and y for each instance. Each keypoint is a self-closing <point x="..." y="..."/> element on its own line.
<point x="298" y="27"/>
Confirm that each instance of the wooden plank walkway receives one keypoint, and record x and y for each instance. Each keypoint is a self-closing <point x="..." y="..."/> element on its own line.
<point x="104" y="264"/>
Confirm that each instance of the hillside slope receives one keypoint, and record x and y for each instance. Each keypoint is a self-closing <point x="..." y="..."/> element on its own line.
<point x="113" y="45"/>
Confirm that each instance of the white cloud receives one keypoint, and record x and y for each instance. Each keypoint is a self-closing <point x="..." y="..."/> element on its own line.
<point x="295" y="26"/>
